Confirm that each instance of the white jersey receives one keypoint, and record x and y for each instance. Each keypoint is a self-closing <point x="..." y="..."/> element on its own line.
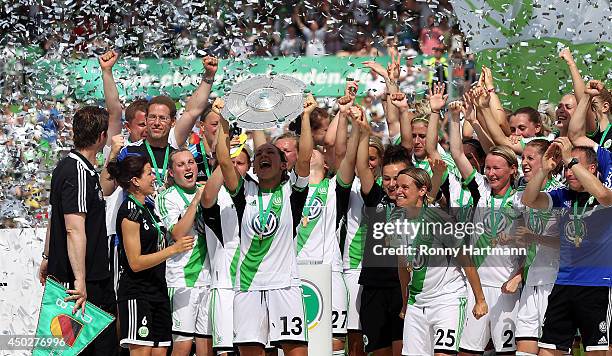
<point x="227" y="252"/>
<point x="190" y="268"/>
<point x="436" y="277"/>
<point x="356" y="228"/>
<point x="543" y="261"/>
<point x="267" y="254"/>
<point x="495" y="269"/>
<point x="316" y="240"/>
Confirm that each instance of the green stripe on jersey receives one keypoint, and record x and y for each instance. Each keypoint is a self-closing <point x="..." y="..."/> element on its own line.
<point x="194" y="266"/>
<point x="357" y="246"/>
<point x="234" y="266"/>
<point x="305" y="232"/>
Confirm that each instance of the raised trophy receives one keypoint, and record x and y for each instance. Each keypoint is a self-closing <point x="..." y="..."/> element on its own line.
<point x="264" y="101"/>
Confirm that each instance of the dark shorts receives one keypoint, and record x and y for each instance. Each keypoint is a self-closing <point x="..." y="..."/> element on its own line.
<point x="577" y="307"/>
<point x="379" y="316"/>
<point x="145" y="323"/>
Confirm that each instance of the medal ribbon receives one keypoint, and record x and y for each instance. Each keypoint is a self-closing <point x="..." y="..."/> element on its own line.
<point x="158" y="177"/>
<point x="263" y="217"/>
<point x="603" y="137"/>
<point x="205" y="159"/>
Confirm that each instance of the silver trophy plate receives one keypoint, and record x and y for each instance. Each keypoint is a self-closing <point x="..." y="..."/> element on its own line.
<point x="263" y="102"/>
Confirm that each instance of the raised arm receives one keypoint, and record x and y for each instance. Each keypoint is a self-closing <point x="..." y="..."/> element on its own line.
<point x="494" y="129"/>
<point x="106" y="182"/>
<point x="470" y="118"/>
<point x="111" y="95"/>
<point x="392" y="113"/>
<point x="306" y="145"/>
<point x="533" y="197"/>
<point x="438" y="168"/>
<point x="340" y="145"/>
<point x="437" y="100"/>
<point x="579" y="121"/>
<point x="212" y="188"/>
<point x="400" y="101"/>
<point x="349" y="97"/>
<point x="231" y="176"/>
<point x="497" y="110"/>
<point x="197" y="102"/>
<point x="346" y="171"/>
<point x="456" y="143"/>
<point x="577" y="81"/>
<point x="363" y="170"/>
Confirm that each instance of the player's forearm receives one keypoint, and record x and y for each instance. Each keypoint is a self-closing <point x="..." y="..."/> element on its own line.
<point x="532" y="193"/>
<point x="185" y="223"/>
<point x="346" y="171"/>
<point x="112" y="102"/>
<point x="577" y="80"/>
<point x="341" y="134"/>
<point x="431" y="141"/>
<point x="592" y="185"/>
<point x="212" y="188"/>
<point x="306" y="145"/>
<point x="77" y="246"/>
<point x="406" y="130"/>
<point x="499" y="113"/>
<point x="474" y="279"/>
<point x="578" y="120"/>
<point x="331" y="136"/>
<point x="143" y="262"/>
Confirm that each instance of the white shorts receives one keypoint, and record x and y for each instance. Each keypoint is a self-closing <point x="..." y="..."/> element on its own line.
<point x="276" y="316"/>
<point x="532" y="308"/>
<point x="222" y="318"/>
<point x="498" y="324"/>
<point x="431" y="329"/>
<point x="339" y="304"/>
<point x="351" y="278"/>
<point x="190" y="312"/>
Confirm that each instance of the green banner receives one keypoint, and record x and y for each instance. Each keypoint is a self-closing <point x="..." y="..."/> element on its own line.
<point x="66" y="333"/>
<point x="178" y="78"/>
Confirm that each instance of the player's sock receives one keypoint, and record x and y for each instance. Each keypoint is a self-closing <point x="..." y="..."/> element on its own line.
<point x="338" y="353"/>
<point x="521" y="353"/>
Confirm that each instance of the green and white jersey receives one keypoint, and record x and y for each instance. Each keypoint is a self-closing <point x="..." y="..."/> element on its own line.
<point x="356" y="226"/>
<point x="190" y="268"/>
<point x="224" y="258"/>
<point x="317" y="241"/>
<point x="268" y="222"/>
<point x="495" y="214"/>
<point x="542" y="262"/>
<point x="436" y="277"/>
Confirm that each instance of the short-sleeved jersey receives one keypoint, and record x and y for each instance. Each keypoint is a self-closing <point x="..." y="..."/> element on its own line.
<point x="317" y="240"/>
<point x="190" y="268"/>
<point x="75" y="188"/>
<point x="494" y="270"/>
<point x="267" y="251"/>
<point x="221" y="223"/>
<point x="542" y="261"/>
<point x="604" y="166"/>
<point x="148" y="284"/>
<point x="603" y="138"/>
<point x="436" y="277"/>
<point x="589" y="263"/>
<point x="355" y="227"/>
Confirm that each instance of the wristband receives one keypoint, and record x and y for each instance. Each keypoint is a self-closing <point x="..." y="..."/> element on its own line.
<point x="435" y="112"/>
<point x="209" y="81"/>
<point x="45" y="257"/>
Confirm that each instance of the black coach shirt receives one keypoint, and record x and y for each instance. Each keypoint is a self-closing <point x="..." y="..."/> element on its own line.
<point x="149" y="284"/>
<point x="377" y="271"/>
<point x="159" y="155"/>
<point x="75" y="188"/>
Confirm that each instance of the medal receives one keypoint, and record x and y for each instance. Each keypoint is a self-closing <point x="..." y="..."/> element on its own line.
<point x="305" y="221"/>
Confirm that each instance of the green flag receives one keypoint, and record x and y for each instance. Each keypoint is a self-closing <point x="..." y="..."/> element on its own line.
<point x="66" y="333"/>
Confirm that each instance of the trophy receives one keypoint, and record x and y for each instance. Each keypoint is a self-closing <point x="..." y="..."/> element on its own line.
<point x="264" y="101"/>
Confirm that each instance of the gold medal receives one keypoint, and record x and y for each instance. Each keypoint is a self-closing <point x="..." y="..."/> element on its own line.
<point x="305" y="221"/>
<point x="577" y="241"/>
<point x="493" y="242"/>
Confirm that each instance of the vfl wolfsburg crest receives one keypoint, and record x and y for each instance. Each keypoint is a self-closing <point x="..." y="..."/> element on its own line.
<point x="575" y="231"/>
<point x="271" y="225"/>
<point x="315" y="209"/>
<point x="313" y="300"/>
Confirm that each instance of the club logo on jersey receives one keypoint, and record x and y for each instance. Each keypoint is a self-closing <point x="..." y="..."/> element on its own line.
<point x="315" y="209"/>
<point x="607" y="144"/>
<point x="277" y="201"/>
<point x="269" y="229"/>
<point x="313" y="300"/>
<point x="603" y="327"/>
<point x="143" y="331"/>
<point x="502" y="221"/>
<point x="536" y="224"/>
<point x="419" y="261"/>
<point x="575" y="230"/>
